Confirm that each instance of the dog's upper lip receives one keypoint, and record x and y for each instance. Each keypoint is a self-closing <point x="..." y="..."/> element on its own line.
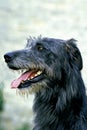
<point x="25" y="76"/>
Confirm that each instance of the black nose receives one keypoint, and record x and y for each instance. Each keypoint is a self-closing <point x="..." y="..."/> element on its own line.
<point x="8" y="57"/>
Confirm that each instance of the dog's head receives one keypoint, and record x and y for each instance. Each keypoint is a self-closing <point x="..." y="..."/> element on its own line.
<point x="44" y="61"/>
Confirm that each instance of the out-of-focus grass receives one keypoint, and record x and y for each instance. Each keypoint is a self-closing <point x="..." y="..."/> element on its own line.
<point x="1" y="97"/>
<point x="1" y="104"/>
<point x="24" y="127"/>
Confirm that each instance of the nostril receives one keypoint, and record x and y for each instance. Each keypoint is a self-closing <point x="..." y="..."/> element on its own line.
<point x="8" y="57"/>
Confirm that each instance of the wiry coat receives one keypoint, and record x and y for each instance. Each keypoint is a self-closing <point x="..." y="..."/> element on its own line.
<point x="60" y="98"/>
<point x="62" y="104"/>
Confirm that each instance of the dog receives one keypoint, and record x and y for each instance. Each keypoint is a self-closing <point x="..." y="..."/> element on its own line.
<point x="51" y="68"/>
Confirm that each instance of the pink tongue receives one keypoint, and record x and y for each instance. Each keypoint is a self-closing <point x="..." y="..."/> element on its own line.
<point x="23" y="77"/>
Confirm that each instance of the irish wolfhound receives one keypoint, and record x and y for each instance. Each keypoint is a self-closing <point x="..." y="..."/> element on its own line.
<point x="51" y="69"/>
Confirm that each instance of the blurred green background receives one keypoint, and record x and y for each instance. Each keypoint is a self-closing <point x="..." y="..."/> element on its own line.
<point x="20" y="19"/>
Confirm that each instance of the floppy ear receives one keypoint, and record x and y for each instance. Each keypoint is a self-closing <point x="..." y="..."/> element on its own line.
<point x="74" y="53"/>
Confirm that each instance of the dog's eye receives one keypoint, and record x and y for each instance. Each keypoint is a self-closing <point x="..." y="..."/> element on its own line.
<point x="40" y="47"/>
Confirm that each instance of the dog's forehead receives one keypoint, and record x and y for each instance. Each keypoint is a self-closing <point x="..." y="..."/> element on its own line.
<point x="53" y="41"/>
<point x="44" y="41"/>
<point x="53" y="44"/>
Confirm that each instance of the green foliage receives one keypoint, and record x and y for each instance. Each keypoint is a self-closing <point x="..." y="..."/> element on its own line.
<point x="1" y="96"/>
<point x="1" y="128"/>
<point x="24" y="127"/>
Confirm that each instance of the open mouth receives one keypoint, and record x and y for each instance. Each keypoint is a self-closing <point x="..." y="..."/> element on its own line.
<point x="27" y="79"/>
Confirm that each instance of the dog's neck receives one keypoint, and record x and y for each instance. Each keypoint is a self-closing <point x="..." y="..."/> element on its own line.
<point x="51" y="104"/>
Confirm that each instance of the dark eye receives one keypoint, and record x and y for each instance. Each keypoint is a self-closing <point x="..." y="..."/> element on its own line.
<point x="40" y="47"/>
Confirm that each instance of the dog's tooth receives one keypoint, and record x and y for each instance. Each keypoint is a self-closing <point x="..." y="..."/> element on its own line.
<point x="31" y="77"/>
<point x="36" y="75"/>
<point x="39" y="72"/>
